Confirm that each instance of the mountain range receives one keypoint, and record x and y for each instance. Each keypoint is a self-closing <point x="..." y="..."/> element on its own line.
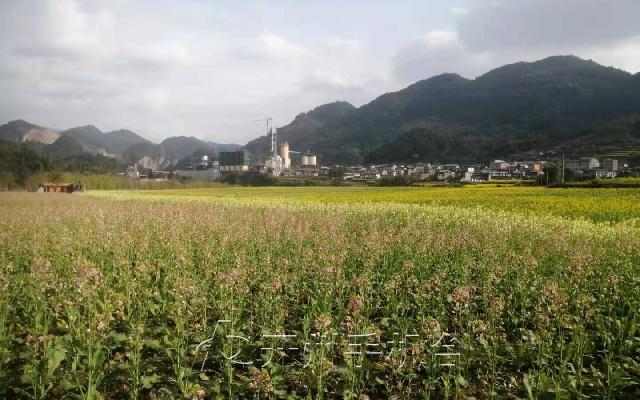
<point x="526" y="110"/>
<point x="123" y="145"/>
<point x="518" y="110"/>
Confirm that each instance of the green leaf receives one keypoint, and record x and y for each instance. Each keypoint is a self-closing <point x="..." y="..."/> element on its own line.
<point x="153" y="344"/>
<point x="67" y="384"/>
<point x="149" y="381"/>
<point x="55" y="357"/>
<point x="120" y="337"/>
<point x="26" y="379"/>
<point x="203" y="376"/>
<point x="461" y="381"/>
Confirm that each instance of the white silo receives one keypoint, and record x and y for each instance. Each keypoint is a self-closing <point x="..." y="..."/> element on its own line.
<point x="311" y="159"/>
<point x="305" y="160"/>
<point x="283" y="150"/>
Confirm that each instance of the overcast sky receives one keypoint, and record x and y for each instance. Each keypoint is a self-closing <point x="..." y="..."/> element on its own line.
<point x="212" y="68"/>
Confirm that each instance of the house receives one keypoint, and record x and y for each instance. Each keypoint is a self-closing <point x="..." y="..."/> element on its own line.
<point x="582" y="164"/>
<point x="61" y="187"/>
<point x="589" y="163"/>
<point x="535" y="166"/>
<point x="499" y="175"/>
<point x="499" y="165"/>
<point x="610" y="165"/>
<point x="132" y="172"/>
<point x="446" y="174"/>
<point x="601" y="173"/>
<point x="450" y="167"/>
<point x="472" y="177"/>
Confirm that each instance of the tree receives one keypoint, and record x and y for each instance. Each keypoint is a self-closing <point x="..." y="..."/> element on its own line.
<point x="24" y="161"/>
<point x="337" y="172"/>
<point x="54" y="177"/>
<point x="551" y="174"/>
<point x="399" y="180"/>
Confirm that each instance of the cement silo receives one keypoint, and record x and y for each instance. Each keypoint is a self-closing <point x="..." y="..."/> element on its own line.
<point x="308" y="160"/>
<point x="283" y="150"/>
<point x="304" y="160"/>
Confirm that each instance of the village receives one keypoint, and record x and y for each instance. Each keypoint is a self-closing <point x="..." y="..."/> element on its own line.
<point x="305" y="165"/>
<point x="283" y="161"/>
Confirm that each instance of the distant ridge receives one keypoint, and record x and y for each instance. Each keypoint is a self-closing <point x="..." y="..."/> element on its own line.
<point x="21" y="131"/>
<point x="517" y="110"/>
<point x="123" y="145"/>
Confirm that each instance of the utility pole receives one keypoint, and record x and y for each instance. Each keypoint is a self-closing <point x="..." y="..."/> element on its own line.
<point x="274" y="141"/>
<point x="563" y="164"/>
<point x="268" y="120"/>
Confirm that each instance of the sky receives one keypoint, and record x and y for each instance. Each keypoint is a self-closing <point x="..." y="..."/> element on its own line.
<point x="212" y="69"/>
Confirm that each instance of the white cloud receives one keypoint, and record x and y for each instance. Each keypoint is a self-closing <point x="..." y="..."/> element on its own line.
<point x="459" y="11"/>
<point x="342" y="44"/>
<point x="624" y="54"/>
<point x="331" y="83"/>
<point x="440" y="38"/>
<point x="488" y="34"/>
<point x="156" y="98"/>
<point x="210" y="68"/>
<point x="59" y="29"/>
<point x="160" y="54"/>
<point x="501" y="24"/>
<point x="276" y="46"/>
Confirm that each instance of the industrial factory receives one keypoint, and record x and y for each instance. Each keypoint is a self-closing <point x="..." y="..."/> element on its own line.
<point x="280" y="163"/>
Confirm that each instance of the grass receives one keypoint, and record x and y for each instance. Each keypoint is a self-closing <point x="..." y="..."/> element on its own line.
<point x="110" y="294"/>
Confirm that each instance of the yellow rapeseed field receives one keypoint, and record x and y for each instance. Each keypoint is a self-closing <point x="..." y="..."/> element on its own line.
<point x="594" y="204"/>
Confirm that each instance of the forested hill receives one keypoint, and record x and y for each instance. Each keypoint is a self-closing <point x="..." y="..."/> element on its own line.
<point x="306" y="131"/>
<point x="123" y="146"/>
<point x="519" y="109"/>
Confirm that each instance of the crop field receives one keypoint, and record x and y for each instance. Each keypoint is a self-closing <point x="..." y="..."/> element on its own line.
<point x="321" y="293"/>
<point x="596" y="205"/>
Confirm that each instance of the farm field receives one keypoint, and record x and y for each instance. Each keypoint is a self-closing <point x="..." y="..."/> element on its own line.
<point x="482" y="292"/>
<point x="596" y="205"/>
